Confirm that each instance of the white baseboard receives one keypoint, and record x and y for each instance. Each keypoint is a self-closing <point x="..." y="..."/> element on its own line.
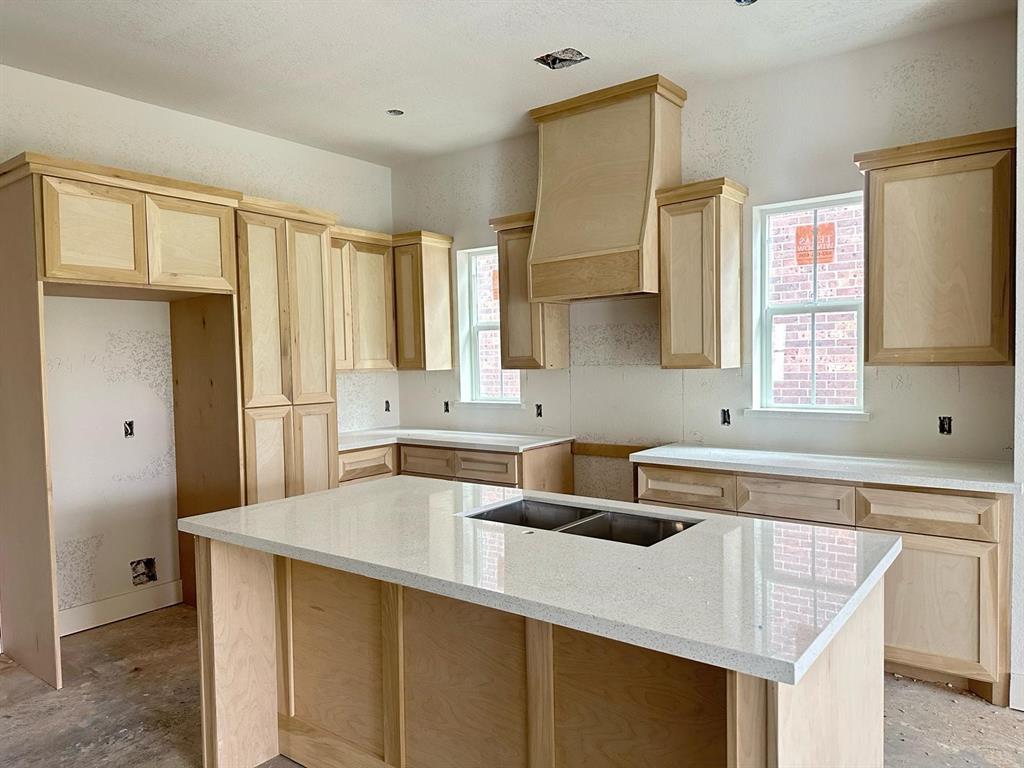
<point x="119" y="607"/>
<point x="1017" y="691"/>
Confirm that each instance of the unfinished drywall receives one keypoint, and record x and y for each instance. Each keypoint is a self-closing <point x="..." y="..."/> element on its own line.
<point x="114" y="503"/>
<point x="788" y="134"/>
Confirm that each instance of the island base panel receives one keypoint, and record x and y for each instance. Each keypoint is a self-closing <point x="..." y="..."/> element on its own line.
<point x="371" y="674"/>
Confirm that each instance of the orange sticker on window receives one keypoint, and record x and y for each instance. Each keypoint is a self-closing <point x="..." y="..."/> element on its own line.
<point x="494" y="285"/>
<point x="826" y="243"/>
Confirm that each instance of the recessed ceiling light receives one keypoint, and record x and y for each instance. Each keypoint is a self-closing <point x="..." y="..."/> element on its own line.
<point x="566" y="57"/>
<point x="396" y="112"/>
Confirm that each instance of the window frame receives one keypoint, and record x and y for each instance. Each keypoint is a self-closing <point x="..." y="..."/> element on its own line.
<point x="764" y="313"/>
<point x="473" y="328"/>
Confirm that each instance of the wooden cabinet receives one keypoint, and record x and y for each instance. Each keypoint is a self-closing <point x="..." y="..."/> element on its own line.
<point x="362" y="266"/>
<point x="533" y="335"/>
<point x="93" y="232"/>
<point x="547" y="468"/>
<point x="423" y="303"/>
<point x="310" y="316"/>
<point x="686" y="487"/>
<point x="315" y="447"/>
<point x="939" y="238"/>
<point x="961" y="515"/>
<point x="421" y="460"/>
<point x="365" y="463"/>
<point x="701" y="226"/>
<point x="191" y="244"/>
<point x="796" y="499"/>
<point x="263" y="310"/>
<point x="487" y="467"/>
<point x="602" y="157"/>
<point x="941" y="606"/>
<point x="268" y="453"/>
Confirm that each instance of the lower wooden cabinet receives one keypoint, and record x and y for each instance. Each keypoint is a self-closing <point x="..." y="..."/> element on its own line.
<point x="686" y="487"/>
<point x="487" y="467"/>
<point x="268" y="453"/>
<point x="366" y="463"/>
<point x="315" y="447"/>
<point x="795" y="499"/>
<point x="433" y="462"/>
<point x="941" y="605"/>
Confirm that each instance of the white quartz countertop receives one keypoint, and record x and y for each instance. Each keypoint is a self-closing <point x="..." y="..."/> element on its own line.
<point x="986" y="476"/>
<point x="730" y="591"/>
<point x="446" y="438"/>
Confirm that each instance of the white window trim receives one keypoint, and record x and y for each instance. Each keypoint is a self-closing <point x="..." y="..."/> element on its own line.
<point x="469" y="373"/>
<point x="762" y="312"/>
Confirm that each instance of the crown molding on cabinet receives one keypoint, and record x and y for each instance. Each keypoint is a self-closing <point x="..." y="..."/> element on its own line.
<point x="940" y="149"/>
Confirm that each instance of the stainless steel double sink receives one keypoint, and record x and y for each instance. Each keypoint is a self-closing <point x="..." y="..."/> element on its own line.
<point x="641" y="530"/>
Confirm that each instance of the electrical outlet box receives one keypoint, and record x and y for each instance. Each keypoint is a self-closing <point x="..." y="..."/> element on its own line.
<point x="447" y="407"/>
<point x="129" y="428"/>
<point x="387" y="406"/>
<point x="539" y="410"/>
<point x="945" y="425"/>
<point x="726" y="418"/>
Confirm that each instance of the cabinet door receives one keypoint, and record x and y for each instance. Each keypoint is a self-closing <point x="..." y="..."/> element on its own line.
<point x="191" y="244"/>
<point x="941" y="599"/>
<point x="366" y="462"/>
<point x="686" y="487"/>
<point x="263" y="305"/>
<point x="939" y="236"/>
<point x="341" y="293"/>
<point x="310" y="316"/>
<point x="93" y="232"/>
<point x="421" y="460"/>
<point x="487" y="467"/>
<point x="373" y="311"/>
<point x="409" y="307"/>
<point x="532" y="335"/>
<point x="700" y="283"/>
<point x="316" y="448"/>
<point x="796" y="499"/>
<point x="268" y="453"/>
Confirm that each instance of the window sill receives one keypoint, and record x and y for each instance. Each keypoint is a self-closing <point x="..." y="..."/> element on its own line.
<point x="807" y="413"/>
<point x="493" y="404"/>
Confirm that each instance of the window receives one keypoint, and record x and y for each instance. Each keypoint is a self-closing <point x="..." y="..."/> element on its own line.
<point x="810" y="325"/>
<point x="486" y="381"/>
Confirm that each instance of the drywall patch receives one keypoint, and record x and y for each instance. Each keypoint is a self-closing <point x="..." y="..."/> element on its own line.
<point x="76" y="570"/>
<point x="142" y="356"/>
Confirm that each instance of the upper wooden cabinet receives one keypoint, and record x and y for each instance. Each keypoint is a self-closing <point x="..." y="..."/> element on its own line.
<point x="940" y="224"/>
<point x="94" y="232"/>
<point x="263" y="310"/>
<point x="362" y="267"/>
<point x="191" y="244"/>
<point x="602" y="156"/>
<point x="533" y="335"/>
<point x="310" y="317"/>
<point x="701" y="228"/>
<point x="423" y="301"/>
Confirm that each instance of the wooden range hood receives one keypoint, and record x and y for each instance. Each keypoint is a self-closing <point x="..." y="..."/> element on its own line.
<point x="602" y="157"/>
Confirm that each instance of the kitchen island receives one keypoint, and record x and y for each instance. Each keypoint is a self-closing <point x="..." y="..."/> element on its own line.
<point x="382" y="625"/>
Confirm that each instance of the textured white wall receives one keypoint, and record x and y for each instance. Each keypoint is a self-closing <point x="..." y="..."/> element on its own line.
<point x="787" y="134"/>
<point x="114" y="499"/>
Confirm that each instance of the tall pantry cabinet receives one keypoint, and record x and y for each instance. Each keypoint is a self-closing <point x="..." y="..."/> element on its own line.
<point x="286" y="325"/>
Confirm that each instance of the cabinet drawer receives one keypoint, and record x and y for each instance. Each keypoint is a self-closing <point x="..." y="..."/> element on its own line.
<point x="437" y="462"/>
<point x="936" y="514"/>
<point x="813" y="502"/>
<point x="367" y="462"/>
<point x="489" y="467"/>
<point x="686" y="487"/>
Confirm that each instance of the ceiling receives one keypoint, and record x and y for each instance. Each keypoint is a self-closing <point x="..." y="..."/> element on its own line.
<point x="324" y="72"/>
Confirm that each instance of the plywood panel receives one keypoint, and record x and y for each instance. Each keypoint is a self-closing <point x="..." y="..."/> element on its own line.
<point x="549" y="469"/>
<point x="94" y="232"/>
<point x="209" y="454"/>
<point x="268" y="453"/>
<point x="604" y="274"/>
<point x="28" y="582"/>
<point x="337" y="654"/>
<point x="263" y="303"/>
<point x="315" y="448"/>
<point x="191" y="244"/>
<point x="618" y="704"/>
<point x="311" y="317"/>
<point x="465" y="684"/>
<point x="373" y="314"/>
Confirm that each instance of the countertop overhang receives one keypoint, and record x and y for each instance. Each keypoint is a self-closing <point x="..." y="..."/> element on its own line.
<point x="712" y="593"/>
<point x="950" y="474"/>
<point x="496" y="442"/>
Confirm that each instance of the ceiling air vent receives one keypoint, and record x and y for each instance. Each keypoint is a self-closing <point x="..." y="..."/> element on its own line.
<point x="561" y="59"/>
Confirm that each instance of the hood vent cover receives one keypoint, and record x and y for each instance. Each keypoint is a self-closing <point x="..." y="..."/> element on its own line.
<point x="602" y="157"/>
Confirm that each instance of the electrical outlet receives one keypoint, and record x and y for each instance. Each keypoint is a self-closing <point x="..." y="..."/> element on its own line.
<point x="945" y="425"/>
<point x="539" y="409"/>
<point x="129" y="428"/>
<point x="387" y="406"/>
<point x="447" y="408"/>
<point x="726" y="418"/>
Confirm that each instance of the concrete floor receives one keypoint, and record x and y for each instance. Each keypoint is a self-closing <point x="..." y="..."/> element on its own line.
<point x="131" y="698"/>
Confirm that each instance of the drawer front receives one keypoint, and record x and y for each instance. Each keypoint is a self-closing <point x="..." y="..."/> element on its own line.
<point x="813" y="502"/>
<point x="686" y="487"/>
<point x="368" y="462"/>
<point x="489" y="467"/>
<point x="936" y="514"/>
<point x="436" y="462"/>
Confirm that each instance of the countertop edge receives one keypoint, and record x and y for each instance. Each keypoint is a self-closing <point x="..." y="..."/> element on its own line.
<point x="879" y="478"/>
<point x="774" y="670"/>
<point x="430" y="442"/>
